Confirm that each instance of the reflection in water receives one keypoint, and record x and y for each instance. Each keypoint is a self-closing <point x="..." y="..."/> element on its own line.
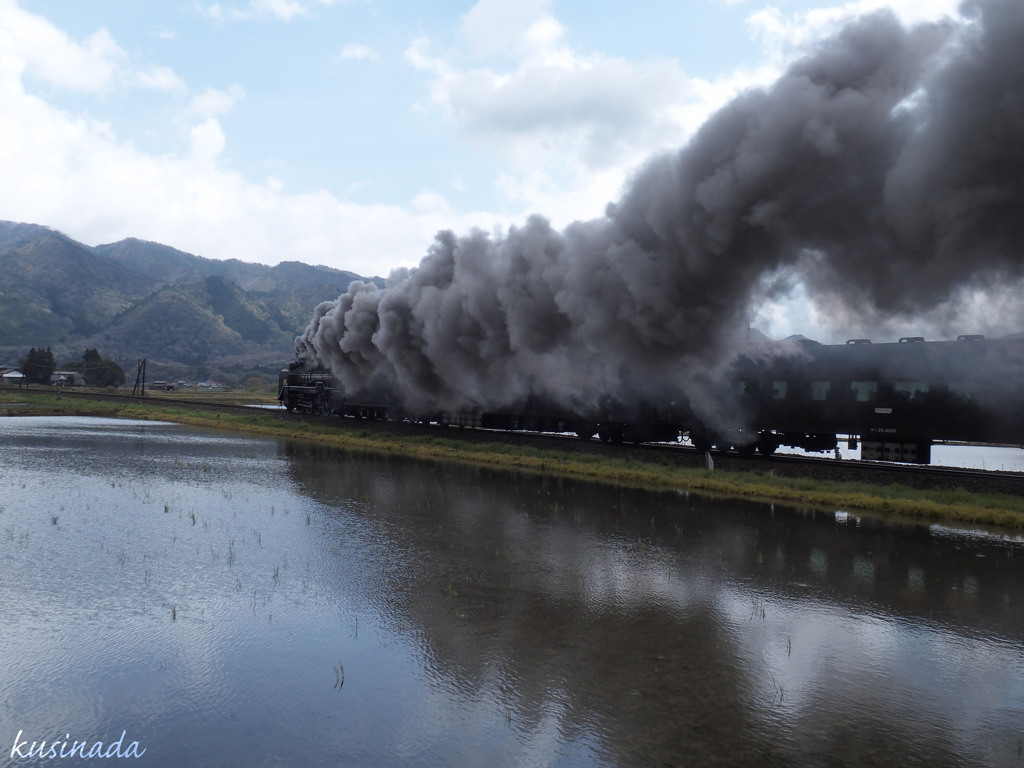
<point x="703" y="631"/>
<point x="207" y="592"/>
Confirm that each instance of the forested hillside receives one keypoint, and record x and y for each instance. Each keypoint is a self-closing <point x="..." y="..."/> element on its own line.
<point x="186" y="315"/>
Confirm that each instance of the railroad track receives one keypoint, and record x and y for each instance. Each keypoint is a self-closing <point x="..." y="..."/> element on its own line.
<point x="787" y="465"/>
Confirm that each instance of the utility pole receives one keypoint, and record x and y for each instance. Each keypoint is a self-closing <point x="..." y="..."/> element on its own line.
<point x="140" y="380"/>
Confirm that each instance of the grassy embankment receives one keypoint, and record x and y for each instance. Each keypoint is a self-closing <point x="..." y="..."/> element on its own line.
<point x="951" y="506"/>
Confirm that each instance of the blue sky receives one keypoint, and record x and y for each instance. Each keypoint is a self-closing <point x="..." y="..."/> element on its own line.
<point x="347" y="133"/>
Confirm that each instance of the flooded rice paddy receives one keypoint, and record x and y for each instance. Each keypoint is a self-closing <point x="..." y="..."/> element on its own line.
<point x="206" y="599"/>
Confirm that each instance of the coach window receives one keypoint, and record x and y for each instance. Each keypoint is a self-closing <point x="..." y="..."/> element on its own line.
<point x="746" y="387"/>
<point x="780" y="389"/>
<point x="820" y="390"/>
<point x="864" y="391"/>
<point x="962" y="392"/>
<point x="910" y="391"/>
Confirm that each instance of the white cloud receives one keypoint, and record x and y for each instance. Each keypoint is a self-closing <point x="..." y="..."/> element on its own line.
<point x="160" y="79"/>
<point x="199" y="207"/>
<point x="41" y="50"/>
<point x="285" y="10"/>
<point x="504" y="26"/>
<point x="214" y="11"/>
<point x="355" y="51"/>
<point x="76" y="175"/>
<point x="214" y="102"/>
<point x="429" y="201"/>
<point x="569" y="127"/>
<point x="610" y="104"/>
<point x="36" y="48"/>
<point x="207" y="140"/>
<point x="419" y="55"/>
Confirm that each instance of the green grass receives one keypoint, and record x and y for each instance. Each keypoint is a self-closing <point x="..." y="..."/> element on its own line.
<point x="938" y="505"/>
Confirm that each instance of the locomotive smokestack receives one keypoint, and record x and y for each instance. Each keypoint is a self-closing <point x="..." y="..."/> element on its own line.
<point x="884" y="172"/>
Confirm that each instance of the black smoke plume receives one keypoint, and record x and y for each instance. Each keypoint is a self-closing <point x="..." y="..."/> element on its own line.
<point x="883" y="172"/>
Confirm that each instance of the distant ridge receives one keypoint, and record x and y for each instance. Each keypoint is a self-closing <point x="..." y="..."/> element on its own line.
<point x="136" y="299"/>
<point x="169" y="265"/>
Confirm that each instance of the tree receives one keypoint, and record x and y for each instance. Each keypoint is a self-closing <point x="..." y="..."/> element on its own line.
<point x="38" y="366"/>
<point x="98" y="371"/>
<point x="254" y="383"/>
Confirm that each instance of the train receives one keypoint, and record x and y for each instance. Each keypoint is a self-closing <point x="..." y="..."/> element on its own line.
<point x="895" y="400"/>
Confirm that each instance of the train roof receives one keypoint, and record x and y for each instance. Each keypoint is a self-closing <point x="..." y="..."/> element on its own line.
<point x="969" y="358"/>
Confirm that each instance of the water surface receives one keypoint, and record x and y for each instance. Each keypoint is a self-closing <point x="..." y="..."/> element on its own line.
<point x="230" y="601"/>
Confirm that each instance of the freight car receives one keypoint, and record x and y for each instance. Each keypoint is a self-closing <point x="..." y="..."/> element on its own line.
<point x="895" y="399"/>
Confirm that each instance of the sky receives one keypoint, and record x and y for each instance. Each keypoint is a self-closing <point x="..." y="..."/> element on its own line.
<point x="349" y="132"/>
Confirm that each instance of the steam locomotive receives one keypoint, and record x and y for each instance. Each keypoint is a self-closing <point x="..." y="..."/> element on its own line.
<point x="895" y="399"/>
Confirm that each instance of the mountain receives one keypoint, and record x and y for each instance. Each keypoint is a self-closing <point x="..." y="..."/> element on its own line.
<point x="194" y="323"/>
<point x="168" y="265"/>
<point x="52" y="285"/>
<point x="135" y="299"/>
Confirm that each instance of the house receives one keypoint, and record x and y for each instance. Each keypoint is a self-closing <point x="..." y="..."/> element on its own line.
<point x="66" y="379"/>
<point x="10" y="375"/>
